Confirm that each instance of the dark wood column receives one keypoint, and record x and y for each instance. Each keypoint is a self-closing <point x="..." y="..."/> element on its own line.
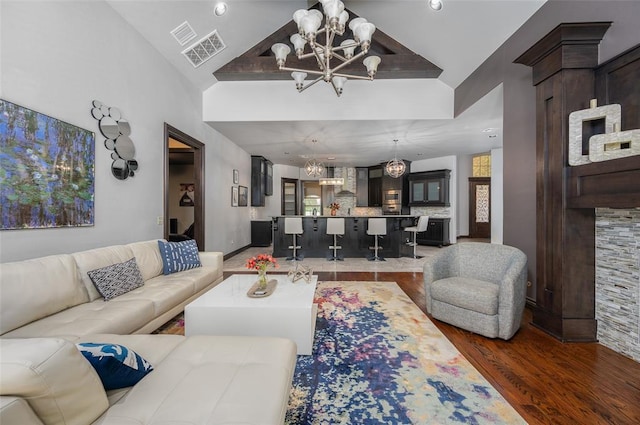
<point x="563" y="65"/>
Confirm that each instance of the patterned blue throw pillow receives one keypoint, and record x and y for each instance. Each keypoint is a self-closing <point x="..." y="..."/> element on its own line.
<point x="116" y="365"/>
<point x="117" y="279"/>
<point x="179" y="256"/>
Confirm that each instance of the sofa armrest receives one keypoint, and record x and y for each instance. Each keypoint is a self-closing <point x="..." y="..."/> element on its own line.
<point x="15" y="410"/>
<point x="211" y="259"/>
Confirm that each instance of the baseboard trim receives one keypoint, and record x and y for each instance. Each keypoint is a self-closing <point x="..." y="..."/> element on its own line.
<point x="236" y="252"/>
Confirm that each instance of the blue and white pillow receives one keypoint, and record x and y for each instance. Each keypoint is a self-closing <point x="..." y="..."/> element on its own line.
<point x="179" y="256"/>
<point x="116" y="365"/>
<point x="117" y="279"/>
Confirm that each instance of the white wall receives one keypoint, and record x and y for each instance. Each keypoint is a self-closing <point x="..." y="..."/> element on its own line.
<point x="450" y="163"/>
<point x="497" y="203"/>
<point x="56" y="57"/>
<point x="386" y="100"/>
<point x="273" y="204"/>
<point x="465" y="170"/>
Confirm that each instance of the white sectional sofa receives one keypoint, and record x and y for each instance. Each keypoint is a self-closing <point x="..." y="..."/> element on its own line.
<point x="49" y="304"/>
<point x="54" y="296"/>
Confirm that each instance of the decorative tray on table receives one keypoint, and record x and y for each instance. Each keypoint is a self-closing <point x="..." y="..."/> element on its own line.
<point x="254" y="293"/>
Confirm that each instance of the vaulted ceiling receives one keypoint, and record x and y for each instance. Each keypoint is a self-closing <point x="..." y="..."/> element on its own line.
<point x="456" y="40"/>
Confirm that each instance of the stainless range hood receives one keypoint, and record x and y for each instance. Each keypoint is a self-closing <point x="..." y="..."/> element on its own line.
<point x="344" y="193"/>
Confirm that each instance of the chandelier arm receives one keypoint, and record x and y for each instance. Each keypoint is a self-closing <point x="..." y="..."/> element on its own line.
<point x="320" y="61"/>
<point x="310" y="84"/>
<point x="355" y="77"/>
<point x="309" y="71"/>
<point x="307" y="55"/>
<point x="343" y="64"/>
<point x="340" y="57"/>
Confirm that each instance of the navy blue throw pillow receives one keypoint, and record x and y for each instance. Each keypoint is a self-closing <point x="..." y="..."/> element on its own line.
<point x="116" y="365"/>
<point x="179" y="256"/>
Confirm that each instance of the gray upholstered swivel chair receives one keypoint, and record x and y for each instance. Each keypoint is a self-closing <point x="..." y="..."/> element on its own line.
<point x="479" y="287"/>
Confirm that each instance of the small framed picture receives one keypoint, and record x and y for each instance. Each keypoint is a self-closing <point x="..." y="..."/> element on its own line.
<point x="236" y="177"/>
<point x="243" y="196"/>
<point x="234" y="196"/>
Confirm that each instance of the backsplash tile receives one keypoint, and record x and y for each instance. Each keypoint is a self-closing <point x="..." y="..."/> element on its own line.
<point x="618" y="280"/>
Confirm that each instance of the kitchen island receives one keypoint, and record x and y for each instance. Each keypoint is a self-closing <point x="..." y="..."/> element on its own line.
<point x="315" y="242"/>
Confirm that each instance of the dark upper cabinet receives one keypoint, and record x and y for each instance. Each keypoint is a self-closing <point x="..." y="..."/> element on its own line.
<point x="375" y="186"/>
<point x="268" y="188"/>
<point x="429" y="188"/>
<point x="362" y="186"/>
<point x="261" y="180"/>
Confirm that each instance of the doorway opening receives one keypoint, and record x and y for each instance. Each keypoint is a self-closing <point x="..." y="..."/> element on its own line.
<point x="183" y="187"/>
<point x="479" y="207"/>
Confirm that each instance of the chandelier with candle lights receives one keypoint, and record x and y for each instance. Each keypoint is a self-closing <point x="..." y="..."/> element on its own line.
<point x="331" y="59"/>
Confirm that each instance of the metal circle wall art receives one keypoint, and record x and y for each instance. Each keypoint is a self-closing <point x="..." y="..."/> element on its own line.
<point x="116" y="131"/>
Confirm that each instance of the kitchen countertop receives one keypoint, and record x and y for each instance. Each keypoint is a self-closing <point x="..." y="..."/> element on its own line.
<point x="351" y="216"/>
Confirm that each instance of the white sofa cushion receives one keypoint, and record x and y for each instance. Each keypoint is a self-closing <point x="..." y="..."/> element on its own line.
<point x="96" y="259"/>
<point x="116" y="316"/>
<point x="148" y="257"/>
<point x="162" y="293"/>
<point x="55" y="379"/>
<point x="33" y="289"/>
<point x="214" y="381"/>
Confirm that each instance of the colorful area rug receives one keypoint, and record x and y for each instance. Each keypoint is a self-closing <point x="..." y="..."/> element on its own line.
<point x="377" y="359"/>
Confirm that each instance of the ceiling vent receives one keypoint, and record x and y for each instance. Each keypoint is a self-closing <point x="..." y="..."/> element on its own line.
<point x="205" y="49"/>
<point x="183" y="33"/>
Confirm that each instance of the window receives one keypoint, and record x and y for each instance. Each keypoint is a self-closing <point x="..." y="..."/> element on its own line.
<point x="482" y="165"/>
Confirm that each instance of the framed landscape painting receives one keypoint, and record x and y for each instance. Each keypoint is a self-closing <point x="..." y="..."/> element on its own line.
<point x="46" y="171"/>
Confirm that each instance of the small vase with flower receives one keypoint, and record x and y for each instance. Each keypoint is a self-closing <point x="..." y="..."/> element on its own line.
<point x="334" y="207"/>
<point x="261" y="263"/>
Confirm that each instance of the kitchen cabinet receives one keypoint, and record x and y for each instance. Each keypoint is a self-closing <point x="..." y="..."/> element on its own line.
<point x="261" y="233"/>
<point x="375" y="186"/>
<point x="437" y="233"/>
<point x="362" y="186"/>
<point x="261" y="180"/>
<point x="268" y="184"/>
<point x="429" y="188"/>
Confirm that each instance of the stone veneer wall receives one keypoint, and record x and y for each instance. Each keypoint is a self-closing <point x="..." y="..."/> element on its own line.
<point x="618" y="280"/>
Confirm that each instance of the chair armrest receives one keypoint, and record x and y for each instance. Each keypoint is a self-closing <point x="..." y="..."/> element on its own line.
<point x="437" y="267"/>
<point x="512" y="295"/>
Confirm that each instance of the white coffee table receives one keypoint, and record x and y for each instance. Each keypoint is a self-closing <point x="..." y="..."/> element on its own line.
<point x="227" y="310"/>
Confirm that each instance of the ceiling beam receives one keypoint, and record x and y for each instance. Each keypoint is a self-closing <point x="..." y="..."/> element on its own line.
<point x="258" y="63"/>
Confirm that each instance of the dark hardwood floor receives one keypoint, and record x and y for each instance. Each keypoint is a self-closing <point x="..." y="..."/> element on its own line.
<point x="545" y="380"/>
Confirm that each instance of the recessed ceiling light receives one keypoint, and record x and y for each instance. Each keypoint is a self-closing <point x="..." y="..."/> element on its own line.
<point x="220" y="9"/>
<point x="435" y="4"/>
<point x="331" y="158"/>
